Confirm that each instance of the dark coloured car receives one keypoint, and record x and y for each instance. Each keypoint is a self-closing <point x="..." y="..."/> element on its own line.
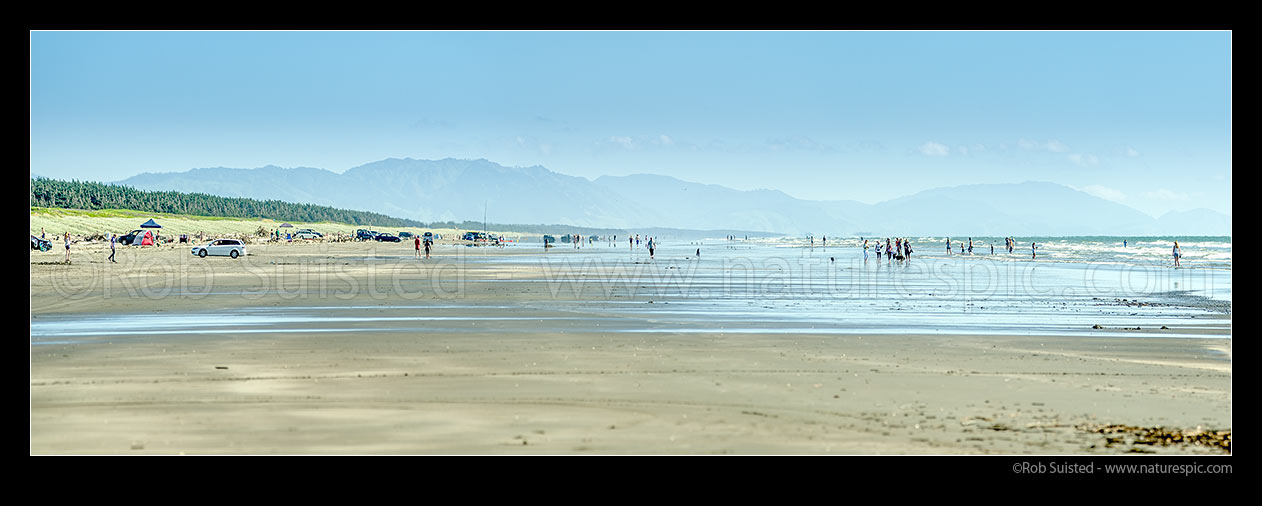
<point x="386" y="238"/>
<point x="365" y="235"/>
<point x="40" y="244"/>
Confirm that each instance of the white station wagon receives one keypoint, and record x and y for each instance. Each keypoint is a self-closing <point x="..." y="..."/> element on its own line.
<point x="221" y="247"/>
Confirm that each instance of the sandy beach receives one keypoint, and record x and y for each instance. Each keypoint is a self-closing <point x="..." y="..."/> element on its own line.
<point x="356" y="348"/>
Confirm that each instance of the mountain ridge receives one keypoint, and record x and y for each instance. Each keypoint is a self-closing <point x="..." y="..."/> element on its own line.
<point x="453" y="189"/>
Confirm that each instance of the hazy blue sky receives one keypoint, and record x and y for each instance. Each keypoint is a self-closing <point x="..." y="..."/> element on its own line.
<point x="1142" y="118"/>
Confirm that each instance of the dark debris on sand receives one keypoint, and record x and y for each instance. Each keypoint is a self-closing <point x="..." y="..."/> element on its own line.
<point x="1136" y="437"/>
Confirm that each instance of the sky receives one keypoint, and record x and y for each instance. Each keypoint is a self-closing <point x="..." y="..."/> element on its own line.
<point x="1141" y="118"/>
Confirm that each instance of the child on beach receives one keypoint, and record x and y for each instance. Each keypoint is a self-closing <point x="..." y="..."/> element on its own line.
<point x="67" y="236"/>
<point x="1177" y="254"/>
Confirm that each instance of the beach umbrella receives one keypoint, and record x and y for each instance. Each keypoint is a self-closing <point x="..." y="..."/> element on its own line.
<point x="150" y="224"/>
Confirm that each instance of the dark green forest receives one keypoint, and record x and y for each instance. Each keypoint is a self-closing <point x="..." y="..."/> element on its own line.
<point x="94" y="196"/>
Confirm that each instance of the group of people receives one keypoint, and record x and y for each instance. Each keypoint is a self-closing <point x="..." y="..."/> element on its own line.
<point x="423" y="242"/>
<point x="649" y="242"/>
<point x="898" y="249"/>
<point x="1009" y="243"/>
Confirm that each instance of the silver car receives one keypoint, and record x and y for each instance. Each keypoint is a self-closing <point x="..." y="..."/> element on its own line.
<point x="307" y="233"/>
<point x="221" y="247"/>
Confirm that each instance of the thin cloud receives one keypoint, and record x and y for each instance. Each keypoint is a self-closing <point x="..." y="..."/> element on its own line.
<point x="1085" y="160"/>
<point x="1052" y="145"/>
<point x="1166" y="194"/>
<point x="797" y="143"/>
<point x="934" y="149"/>
<point x="1103" y="192"/>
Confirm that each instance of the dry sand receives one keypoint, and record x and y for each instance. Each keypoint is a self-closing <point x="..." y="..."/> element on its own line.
<point x="544" y="389"/>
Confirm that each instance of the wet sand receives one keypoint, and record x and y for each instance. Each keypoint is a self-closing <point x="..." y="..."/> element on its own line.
<point x="361" y="349"/>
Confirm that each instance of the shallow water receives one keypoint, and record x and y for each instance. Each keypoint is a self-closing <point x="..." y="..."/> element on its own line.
<point x="744" y="288"/>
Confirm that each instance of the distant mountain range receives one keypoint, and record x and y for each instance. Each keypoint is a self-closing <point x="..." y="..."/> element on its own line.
<point x="455" y="190"/>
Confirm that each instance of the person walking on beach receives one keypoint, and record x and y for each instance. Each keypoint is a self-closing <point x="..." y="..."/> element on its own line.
<point x="865" y="250"/>
<point x="1033" y="254"/>
<point x="992" y="249"/>
<point x="650" y="245"/>
<point x="1177" y="254"/>
<point x="948" y="242"/>
<point x="418" y="246"/>
<point x="427" y="244"/>
<point x="970" y="245"/>
<point x="113" y="238"/>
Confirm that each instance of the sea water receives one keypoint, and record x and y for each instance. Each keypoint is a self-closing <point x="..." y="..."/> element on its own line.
<point x="1091" y="286"/>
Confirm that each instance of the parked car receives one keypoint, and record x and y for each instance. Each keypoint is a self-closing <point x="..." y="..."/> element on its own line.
<point x="40" y="244"/>
<point x="404" y="235"/>
<point x="221" y="247"/>
<point x="386" y="238"/>
<point x="427" y="237"/>
<point x="366" y="235"/>
<point x="307" y="233"/>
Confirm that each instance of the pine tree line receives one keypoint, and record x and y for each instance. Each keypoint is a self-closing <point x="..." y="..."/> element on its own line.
<point x="88" y="195"/>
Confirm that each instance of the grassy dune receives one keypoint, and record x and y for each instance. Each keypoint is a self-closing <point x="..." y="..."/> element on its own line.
<point x="120" y="221"/>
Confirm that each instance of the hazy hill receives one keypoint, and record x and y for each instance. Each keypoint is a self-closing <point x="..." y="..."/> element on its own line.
<point x="1196" y="221"/>
<point x="694" y="205"/>
<point x="455" y="190"/>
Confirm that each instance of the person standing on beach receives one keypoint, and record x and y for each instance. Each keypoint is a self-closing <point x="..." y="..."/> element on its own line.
<point x="67" y="236"/>
<point x="631" y="243"/>
<point x="865" y="250"/>
<point x="418" y="246"/>
<point x="948" y="241"/>
<point x="1177" y="254"/>
<point x="970" y="245"/>
<point x="1033" y="254"/>
<point x="650" y="245"/>
<point x="113" y="238"/>
<point x="427" y="244"/>
<point x="992" y="249"/>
